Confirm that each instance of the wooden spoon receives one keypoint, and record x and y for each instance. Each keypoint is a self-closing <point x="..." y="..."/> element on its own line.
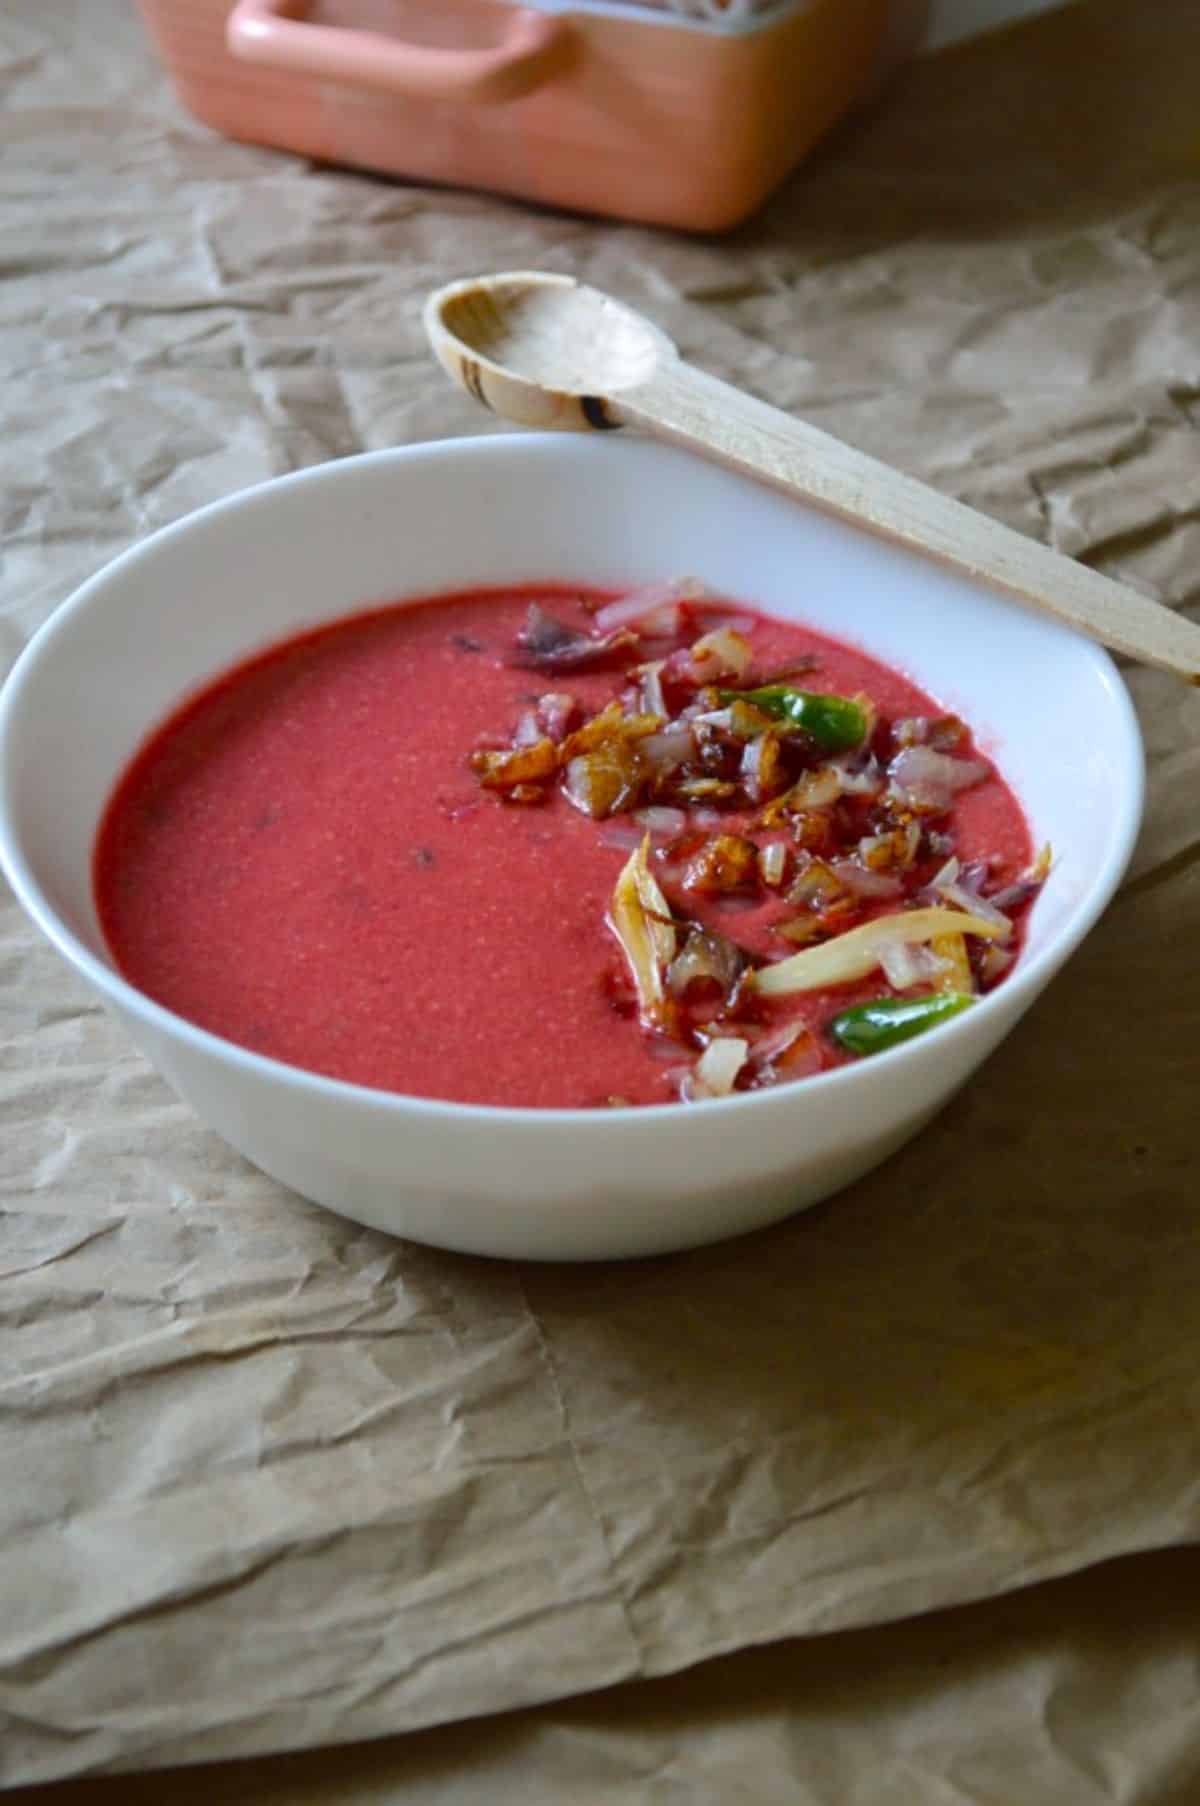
<point x="546" y="351"/>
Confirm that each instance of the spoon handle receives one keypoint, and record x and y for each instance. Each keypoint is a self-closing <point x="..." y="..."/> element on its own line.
<point x="683" y="404"/>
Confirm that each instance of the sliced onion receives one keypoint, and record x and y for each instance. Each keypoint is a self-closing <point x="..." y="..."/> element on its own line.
<point x="855" y="954"/>
<point x="1013" y="895"/>
<point x="975" y="875"/>
<point x="972" y="902"/>
<point x="1027" y="885"/>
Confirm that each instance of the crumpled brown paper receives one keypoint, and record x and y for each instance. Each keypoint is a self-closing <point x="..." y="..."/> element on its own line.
<point x="272" y="1481"/>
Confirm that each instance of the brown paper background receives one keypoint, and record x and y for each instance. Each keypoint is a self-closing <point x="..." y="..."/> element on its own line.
<point x="270" y="1480"/>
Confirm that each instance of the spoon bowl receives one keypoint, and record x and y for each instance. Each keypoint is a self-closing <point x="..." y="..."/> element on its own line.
<point x="543" y="350"/>
<point x="546" y="351"/>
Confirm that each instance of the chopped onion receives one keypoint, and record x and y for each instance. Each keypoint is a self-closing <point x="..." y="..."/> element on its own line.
<point x="864" y="780"/>
<point x="816" y="789"/>
<point x="554" y="712"/>
<point x="719" y="1065"/>
<point x="621" y="832"/>
<point x="993" y="963"/>
<point x="864" y="882"/>
<point x="528" y="731"/>
<point x="925" y="779"/>
<point x="604" y="781"/>
<point x="724" y="863"/>
<point x="712" y="788"/>
<point x="946" y="733"/>
<point x="654" y="607"/>
<point x="550" y="645"/>
<point x="763" y="771"/>
<point x="650" y="684"/>
<point x="816" y="886"/>
<point x="777" y="1041"/>
<point x="957" y="976"/>
<point x="722" y="653"/>
<point x="743" y="624"/>
<point x="706" y="955"/>
<point x="669" y="749"/>
<point x="519" y="765"/>
<point x="640" y="918"/>
<point x="854" y="954"/>
<point x="905" y="963"/>
<point x="884" y="852"/>
<point x="662" y="820"/>
<point x="772" y="863"/>
<point x="794" y="1048"/>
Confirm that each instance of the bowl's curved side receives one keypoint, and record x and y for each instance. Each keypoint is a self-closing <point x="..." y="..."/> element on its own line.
<point x="192" y="600"/>
<point x="564" y="1185"/>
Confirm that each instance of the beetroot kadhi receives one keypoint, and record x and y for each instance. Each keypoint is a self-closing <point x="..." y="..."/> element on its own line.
<point x="557" y="847"/>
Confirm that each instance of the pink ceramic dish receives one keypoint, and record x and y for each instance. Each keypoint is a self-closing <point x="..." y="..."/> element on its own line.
<point x="606" y="108"/>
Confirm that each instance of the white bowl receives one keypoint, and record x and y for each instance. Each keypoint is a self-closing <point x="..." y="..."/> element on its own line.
<point x="192" y="600"/>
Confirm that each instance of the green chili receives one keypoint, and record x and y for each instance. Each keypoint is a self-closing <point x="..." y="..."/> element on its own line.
<point x="868" y="1028"/>
<point x="834" y="722"/>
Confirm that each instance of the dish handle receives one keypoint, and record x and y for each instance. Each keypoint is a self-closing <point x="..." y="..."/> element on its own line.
<point x="277" y="34"/>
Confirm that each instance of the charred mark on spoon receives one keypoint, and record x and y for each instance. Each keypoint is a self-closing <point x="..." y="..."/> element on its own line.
<point x="473" y="378"/>
<point x="595" y="412"/>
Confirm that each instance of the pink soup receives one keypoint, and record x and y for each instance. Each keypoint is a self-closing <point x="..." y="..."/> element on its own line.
<point x="390" y="850"/>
